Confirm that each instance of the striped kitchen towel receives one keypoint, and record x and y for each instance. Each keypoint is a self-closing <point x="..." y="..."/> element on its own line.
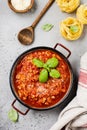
<point x="74" y="116"/>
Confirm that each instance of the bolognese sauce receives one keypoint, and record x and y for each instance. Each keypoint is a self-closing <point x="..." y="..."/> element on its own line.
<point x="27" y="85"/>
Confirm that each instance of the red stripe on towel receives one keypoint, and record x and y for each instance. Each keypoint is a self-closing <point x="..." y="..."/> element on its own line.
<point x="84" y="126"/>
<point x="83" y="77"/>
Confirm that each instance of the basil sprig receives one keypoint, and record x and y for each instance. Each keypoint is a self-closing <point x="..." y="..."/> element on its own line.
<point x="52" y="62"/>
<point x="47" y="27"/>
<point x="13" y="115"/>
<point x="43" y="77"/>
<point x="74" y="28"/>
<point x="38" y="62"/>
<point x="48" y="68"/>
<point x="54" y="73"/>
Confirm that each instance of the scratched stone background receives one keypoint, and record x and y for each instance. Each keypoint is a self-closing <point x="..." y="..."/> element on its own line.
<point x="10" y="48"/>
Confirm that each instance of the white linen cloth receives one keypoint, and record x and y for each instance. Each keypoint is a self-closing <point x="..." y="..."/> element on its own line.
<point x="74" y="116"/>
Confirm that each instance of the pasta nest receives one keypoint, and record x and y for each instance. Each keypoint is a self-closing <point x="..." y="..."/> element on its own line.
<point x="71" y="28"/>
<point x="68" y="5"/>
<point x="82" y="14"/>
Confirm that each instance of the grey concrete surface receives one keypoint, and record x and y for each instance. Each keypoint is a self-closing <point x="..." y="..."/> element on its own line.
<point x="10" y="49"/>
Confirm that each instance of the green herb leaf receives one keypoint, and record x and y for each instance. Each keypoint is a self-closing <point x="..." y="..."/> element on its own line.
<point x="38" y="62"/>
<point x="74" y="28"/>
<point x="52" y="62"/>
<point x="13" y="115"/>
<point x="43" y="77"/>
<point x="46" y="67"/>
<point x="54" y="73"/>
<point x="47" y="27"/>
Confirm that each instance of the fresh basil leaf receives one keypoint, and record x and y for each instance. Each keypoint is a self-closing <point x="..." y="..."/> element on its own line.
<point x="54" y="73"/>
<point x="38" y="62"/>
<point x="46" y="67"/>
<point x="47" y="27"/>
<point x="13" y="115"/>
<point x="43" y="77"/>
<point x="52" y="62"/>
<point x="74" y="28"/>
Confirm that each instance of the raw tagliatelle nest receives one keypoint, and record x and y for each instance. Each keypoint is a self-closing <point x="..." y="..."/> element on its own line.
<point x="82" y="14"/>
<point x="68" y="5"/>
<point x="71" y="28"/>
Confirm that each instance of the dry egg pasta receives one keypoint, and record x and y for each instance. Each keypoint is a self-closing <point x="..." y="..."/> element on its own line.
<point x="68" y="5"/>
<point x="82" y="14"/>
<point x="71" y="28"/>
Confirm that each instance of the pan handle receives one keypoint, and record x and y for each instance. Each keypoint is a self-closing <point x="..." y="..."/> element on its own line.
<point x="23" y="113"/>
<point x="69" y="52"/>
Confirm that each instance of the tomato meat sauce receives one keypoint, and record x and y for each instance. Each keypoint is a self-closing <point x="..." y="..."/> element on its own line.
<point x="30" y="90"/>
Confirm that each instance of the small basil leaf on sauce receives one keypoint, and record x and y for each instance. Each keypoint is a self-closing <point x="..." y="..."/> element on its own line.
<point x="43" y="77"/>
<point x="74" y="28"/>
<point x="38" y="62"/>
<point x="54" y="73"/>
<point x="46" y="67"/>
<point x="47" y="27"/>
<point x="13" y="115"/>
<point x="52" y="62"/>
